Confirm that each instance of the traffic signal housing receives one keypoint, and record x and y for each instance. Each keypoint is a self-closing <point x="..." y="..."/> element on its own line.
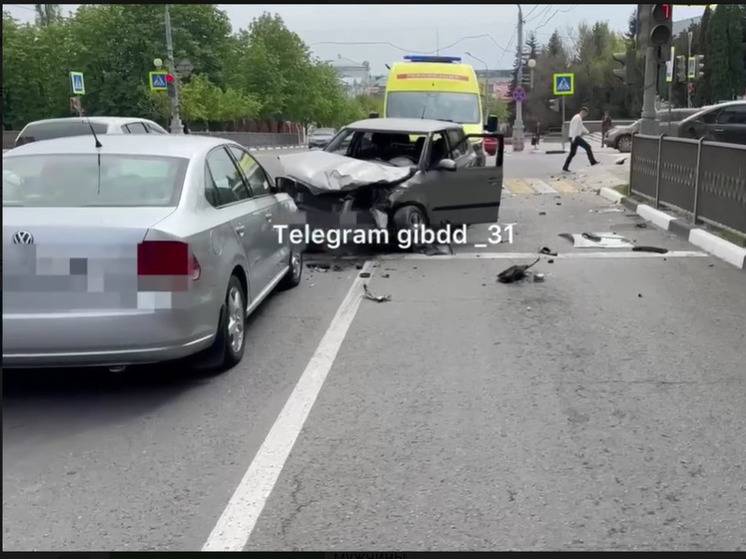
<point x="699" y="66"/>
<point x="171" y="85"/>
<point x="681" y="69"/>
<point x="661" y="25"/>
<point x="623" y="72"/>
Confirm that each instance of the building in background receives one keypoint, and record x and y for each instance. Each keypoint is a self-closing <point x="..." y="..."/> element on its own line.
<point x="355" y="76"/>
<point x="498" y="82"/>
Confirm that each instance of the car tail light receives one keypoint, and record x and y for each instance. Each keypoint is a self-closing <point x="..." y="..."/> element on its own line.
<point x="166" y="258"/>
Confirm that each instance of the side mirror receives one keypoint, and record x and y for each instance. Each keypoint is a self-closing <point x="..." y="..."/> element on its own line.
<point x="446" y="165"/>
<point x="282" y="184"/>
<point x="492" y="123"/>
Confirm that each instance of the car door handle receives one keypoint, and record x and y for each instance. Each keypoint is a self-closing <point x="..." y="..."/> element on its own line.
<point x="240" y="229"/>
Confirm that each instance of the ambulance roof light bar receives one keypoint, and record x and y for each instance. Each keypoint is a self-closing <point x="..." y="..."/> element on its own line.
<point x="424" y="58"/>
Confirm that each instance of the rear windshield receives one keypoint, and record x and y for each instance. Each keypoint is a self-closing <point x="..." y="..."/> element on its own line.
<point x="77" y="181"/>
<point x="51" y="130"/>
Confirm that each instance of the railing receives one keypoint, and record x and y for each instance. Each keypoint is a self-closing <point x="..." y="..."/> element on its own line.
<point x="707" y="180"/>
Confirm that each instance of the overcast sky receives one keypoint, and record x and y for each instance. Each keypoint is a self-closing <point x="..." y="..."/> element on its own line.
<point x="421" y="28"/>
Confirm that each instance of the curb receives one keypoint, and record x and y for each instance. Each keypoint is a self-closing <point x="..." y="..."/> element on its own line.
<point x="725" y="250"/>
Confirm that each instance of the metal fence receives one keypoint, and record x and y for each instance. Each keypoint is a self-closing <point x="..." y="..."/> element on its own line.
<point x="705" y="179"/>
<point x="248" y="139"/>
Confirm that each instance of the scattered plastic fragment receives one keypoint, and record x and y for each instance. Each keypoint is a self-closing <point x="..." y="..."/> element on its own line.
<point x="377" y="298"/>
<point x="550" y="261"/>
<point x="364" y="274"/>
<point x="597" y="240"/>
<point x="515" y="273"/>
<point x="642" y="225"/>
<point x="650" y="249"/>
<point x="547" y="250"/>
<point x="542" y="213"/>
<point x="337" y="268"/>
<point x="386" y="275"/>
<point x="539" y="277"/>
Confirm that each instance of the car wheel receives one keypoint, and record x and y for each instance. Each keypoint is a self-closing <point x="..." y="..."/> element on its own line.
<point x="408" y="217"/>
<point x="292" y="278"/>
<point x="228" y="347"/>
<point x="624" y="144"/>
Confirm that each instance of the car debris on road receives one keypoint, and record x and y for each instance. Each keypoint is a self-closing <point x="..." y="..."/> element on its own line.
<point x="515" y="273"/>
<point x="377" y="298"/>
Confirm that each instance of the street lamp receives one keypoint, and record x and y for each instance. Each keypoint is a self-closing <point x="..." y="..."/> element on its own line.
<point x="486" y="70"/>
<point x="532" y="65"/>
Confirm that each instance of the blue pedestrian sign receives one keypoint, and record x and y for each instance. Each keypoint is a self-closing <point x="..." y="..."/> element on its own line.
<point x="78" y="85"/>
<point x="563" y="84"/>
<point x="158" y="81"/>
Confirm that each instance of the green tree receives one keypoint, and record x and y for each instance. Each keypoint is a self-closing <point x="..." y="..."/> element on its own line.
<point x="703" y="87"/>
<point x="726" y="57"/>
<point x="47" y="14"/>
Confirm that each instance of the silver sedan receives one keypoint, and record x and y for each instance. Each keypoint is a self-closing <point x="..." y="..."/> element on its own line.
<point x="145" y="249"/>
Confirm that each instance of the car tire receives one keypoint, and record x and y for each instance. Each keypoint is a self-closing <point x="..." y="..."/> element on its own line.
<point x="624" y="144"/>
<point x="407" y="217"/>
<point x="295" y="271"/>
<point x="225" y="351"/>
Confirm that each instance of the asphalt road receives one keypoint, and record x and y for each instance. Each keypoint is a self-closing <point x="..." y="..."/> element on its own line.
<point x="600" y="409"/>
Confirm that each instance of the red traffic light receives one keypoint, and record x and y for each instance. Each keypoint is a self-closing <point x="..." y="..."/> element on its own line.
<point x="662" y="12"/>
<point x="170" y="78"/>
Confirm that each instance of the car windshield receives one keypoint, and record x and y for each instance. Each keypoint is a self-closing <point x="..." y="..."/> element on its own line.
<point x="456" y="107"/>
<point x="77" y="181"/>
<point x="63" y="129"/>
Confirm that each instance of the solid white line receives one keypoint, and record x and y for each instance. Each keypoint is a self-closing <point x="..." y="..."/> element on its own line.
<point x="233" y="529"/>
<point x="521" y="255"/>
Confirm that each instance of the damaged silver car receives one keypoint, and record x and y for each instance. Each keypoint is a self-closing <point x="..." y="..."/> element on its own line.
<point x="396" y="173"/>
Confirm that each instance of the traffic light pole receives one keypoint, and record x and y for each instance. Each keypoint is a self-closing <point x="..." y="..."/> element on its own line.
<point x="648" y="125"/>
<point x="176" y="125"/>
<point x="562" y="133"/>
<point x="689" y="87"/>
<point x="518" y="123"/>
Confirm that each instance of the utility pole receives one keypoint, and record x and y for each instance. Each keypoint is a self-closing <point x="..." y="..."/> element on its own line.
<point x="176" y="125"/>
<point x="518" y="123"/>
<point x="649" y="125"/>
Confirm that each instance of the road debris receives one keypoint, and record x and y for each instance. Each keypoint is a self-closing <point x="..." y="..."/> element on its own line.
<point x="605" y="210"/>
<point x="597" y="240"/>
<point x="377" y="298"/>
<point x="621" y="160"/>
<point x="542" y="213"/>
<point x="364" y="274"/>
<point x="639" y="295"/>
<point x="386" y="276"/>
<point x="650" y="249"/>
<point x="321" y="267"/>
<point x="538" y="277"/>
<point x="548" y="251"/>
<point x="550" y="261"/>
<point x="337" y="268"/>
<point x="515" y="273"/>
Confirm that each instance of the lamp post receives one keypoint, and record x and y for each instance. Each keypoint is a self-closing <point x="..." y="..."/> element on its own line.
<point x="518" y="122"/>
<point x="486" y="70"/>
<point x="532" y="65"/>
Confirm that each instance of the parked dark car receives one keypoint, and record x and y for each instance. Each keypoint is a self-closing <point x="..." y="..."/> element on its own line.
<point x="620" y="137"/>
<point x="320" y="137"/>
<point x="724" y="122"/>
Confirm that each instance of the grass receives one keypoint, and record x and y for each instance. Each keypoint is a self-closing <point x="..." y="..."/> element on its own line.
<point x="623" y="189"/>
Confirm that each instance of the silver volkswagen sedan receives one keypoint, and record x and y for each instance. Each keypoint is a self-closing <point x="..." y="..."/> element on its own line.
<point x="145" y="249"/>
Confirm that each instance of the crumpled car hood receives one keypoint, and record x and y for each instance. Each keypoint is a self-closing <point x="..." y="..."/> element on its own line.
<point x="321" y="172"/>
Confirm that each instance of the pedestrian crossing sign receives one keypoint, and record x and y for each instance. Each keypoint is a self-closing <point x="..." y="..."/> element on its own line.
<point x="563" y="84"/>
<point x="158" y="81"/>
<point x="77" y="83"/>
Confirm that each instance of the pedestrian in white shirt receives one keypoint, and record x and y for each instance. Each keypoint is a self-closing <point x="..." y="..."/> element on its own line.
<point x="577" y="129"/>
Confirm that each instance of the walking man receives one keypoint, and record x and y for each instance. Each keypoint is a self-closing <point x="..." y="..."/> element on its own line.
<point x="577" y="129"/>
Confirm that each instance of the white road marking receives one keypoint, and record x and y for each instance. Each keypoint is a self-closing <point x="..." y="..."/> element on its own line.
<point x="234" y="527"/>
<point x="480" y="245"/>
<point x="566" y="255"/>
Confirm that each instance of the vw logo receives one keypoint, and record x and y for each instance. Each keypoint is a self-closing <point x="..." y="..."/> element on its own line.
<point x="23" y="238"/>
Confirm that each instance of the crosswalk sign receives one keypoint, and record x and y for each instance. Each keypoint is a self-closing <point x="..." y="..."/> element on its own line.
<point x="563" y="84"/>
<point x="78" y="85"/>
<point x="158" y="81"/>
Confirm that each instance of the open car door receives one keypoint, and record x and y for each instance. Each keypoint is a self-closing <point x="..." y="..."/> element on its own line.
<point x="467" y="195"/>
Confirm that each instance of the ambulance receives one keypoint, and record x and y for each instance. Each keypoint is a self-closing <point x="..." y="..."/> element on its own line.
<point x="439" y="88"/>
